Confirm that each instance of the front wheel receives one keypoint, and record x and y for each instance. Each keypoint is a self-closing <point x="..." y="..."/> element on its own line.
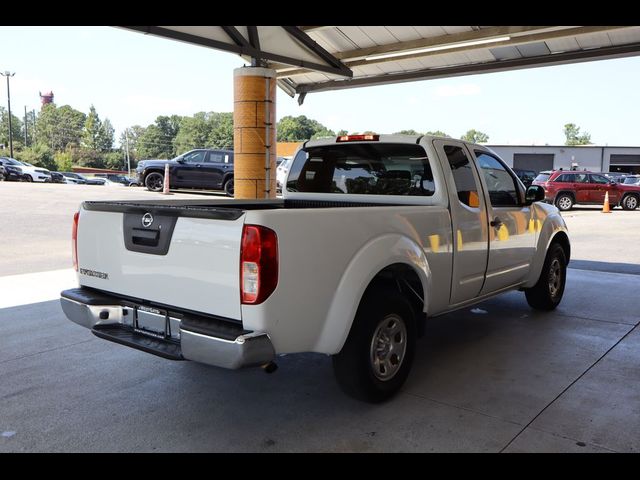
<point x="547" y="292"/>
<point x="377" y="356"/>
<point x="630" y="202"/>
<point x="27" y="178"/>
<point x="228" y="187"/>
<point x="154" y="181"/>
<point x="564" y="202"/>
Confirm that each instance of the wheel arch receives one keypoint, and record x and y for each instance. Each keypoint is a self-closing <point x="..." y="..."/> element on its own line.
<point x="389" y="260"/>
<point x="553" y="230"/>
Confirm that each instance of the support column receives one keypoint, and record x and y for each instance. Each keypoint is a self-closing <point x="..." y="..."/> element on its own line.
<point x="254" y="132"/>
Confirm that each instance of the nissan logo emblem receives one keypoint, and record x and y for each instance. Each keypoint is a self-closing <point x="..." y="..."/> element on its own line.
<point x="147" y="220"/>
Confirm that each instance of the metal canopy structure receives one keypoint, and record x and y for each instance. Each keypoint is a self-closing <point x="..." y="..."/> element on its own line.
<point x="318" y="58"/>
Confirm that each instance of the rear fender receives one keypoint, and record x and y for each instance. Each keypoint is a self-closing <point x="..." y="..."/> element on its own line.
<point x="371" y="259"/>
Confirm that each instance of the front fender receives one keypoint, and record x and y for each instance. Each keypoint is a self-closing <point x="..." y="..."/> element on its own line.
<point x="552" y="226"/>
<point x="372" y="258"/>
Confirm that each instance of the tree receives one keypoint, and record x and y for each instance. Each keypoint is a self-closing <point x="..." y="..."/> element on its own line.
<point x="193" y="133"/>
<point x="573" y="136"/>
<point x="39" y="155"/>
<point x="342" y="132"/>
<point x="157" y="141"/>
<point x="221" y="134"/>
<point x="301" y="128"/>
<point x="475" y="136"/>
<point x="131" y="137"/>
<point x="440" y="133"/>
<point x="17" y="134"/>
<point x="407" y="132"/>
<point x="59" y="127"/>
<point x="63" y="161"/>
<point x="105" y="136"/>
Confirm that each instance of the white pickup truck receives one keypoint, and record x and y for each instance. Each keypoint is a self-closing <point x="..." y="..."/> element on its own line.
<point x="373" y="235"/>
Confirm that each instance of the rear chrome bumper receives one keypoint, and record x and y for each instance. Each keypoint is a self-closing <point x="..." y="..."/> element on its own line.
<point x="96" y="311"/>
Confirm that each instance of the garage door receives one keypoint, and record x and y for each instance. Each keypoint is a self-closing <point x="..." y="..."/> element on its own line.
<point x="533" y="161"/>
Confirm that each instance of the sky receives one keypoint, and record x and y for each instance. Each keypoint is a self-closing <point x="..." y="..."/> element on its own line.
<point x="132" y="78"/>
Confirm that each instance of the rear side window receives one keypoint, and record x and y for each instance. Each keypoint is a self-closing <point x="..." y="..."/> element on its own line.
<point x="362" y="168"/>
<point x="462" y="176"/>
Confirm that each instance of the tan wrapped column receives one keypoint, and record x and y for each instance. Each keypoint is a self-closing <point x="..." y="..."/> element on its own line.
<point x="254" y="132"/>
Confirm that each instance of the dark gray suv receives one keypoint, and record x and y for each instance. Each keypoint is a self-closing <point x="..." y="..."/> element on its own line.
<point x="201" y="168"/>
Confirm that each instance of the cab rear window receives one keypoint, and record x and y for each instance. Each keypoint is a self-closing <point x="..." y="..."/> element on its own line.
<point x="362" y="168"/>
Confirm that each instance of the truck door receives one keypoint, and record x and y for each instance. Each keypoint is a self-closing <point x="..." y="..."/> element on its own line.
<point x="190" y="172"/>
<point x="512" y="232"/>
<point x="600" y="185"/>
<point x="469" y="220"/>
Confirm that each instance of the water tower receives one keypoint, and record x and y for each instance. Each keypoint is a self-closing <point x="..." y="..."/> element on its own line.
<point x="46" y="98"/>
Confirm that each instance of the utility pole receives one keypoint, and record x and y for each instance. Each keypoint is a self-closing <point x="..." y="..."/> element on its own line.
<point x="25" y="126"/>
<point x="126" y="142"/>
<point x="9" y="74"/>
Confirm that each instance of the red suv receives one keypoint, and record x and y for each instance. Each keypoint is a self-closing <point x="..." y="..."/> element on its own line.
<point x="565" y="188"/>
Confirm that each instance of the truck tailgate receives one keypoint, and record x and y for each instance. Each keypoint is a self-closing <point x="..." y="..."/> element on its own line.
<point x="187" y="259"/>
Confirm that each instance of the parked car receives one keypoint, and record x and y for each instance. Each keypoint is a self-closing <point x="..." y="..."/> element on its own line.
<point x="632" y="180"/>
<point x="617" y="177"/>
<point x="12" y="169"/>
<point x="281" y="172"/>
<point x="2" y="172"/>
<point x="30" y="173"/>
<point x="118" y="178"/>
<point x="106" y="182"/>
<point x="527" y="176"/>
<point x="81" y="179"/>
<point x="566" y="188"/>
<point x="57" y="177"/>
<point x="421" y="226"/>
<point x="201" y="168"/>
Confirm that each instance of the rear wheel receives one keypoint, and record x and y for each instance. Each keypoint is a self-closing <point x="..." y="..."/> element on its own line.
<point x="228" y="187"/>
<point x="564" y="202"/>
<point x="154" y="181"/>
<point x="630" y="202"/>
<point x="547" y="293"/>
<point x="377" y="356"/>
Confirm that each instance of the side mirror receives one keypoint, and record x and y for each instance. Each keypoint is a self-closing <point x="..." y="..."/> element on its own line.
<point x="180" y="160"/>
<point x="534" y="193"/>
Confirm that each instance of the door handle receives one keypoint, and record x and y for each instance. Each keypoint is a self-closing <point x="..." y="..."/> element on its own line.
<point x="496" y="222"/>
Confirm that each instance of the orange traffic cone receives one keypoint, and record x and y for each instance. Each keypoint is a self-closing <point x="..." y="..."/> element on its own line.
<point x="165" y="185"/>
<point x="605" y="208"/>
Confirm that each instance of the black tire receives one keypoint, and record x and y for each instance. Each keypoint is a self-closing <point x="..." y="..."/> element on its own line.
<point x="154" y="181"/>
<point x="564" y="202"/>
<point x="27" y="178"/>
<point x="630" y="202"/>
<point x="384" y="319"/>
<point x="228" y="187"/>
<point x="547" y="293"/>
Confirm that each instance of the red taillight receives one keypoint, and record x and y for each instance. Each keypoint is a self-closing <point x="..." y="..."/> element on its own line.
<point x="258" y="264"/>
<point x="358" y="138"/>
<point x="74" y="240"/>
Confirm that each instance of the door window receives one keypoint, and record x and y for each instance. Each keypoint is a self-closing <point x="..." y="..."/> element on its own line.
<point x="502" y="188"/>
<point x="194" y="157"/>
<point x="599" y="179"/>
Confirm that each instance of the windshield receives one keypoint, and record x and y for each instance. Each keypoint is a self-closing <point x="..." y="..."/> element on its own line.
<point x="12" y="161"/>
<point x="362" y="168"/>
<point x="631" y="180"/>
<point x="543" y="177"/>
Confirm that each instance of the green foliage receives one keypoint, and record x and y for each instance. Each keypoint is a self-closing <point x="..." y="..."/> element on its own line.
<point x="205" y="130"/>
<point x="407" y="132"/>
<point x="342" y="132"/>
<point x="301" y="128"/>
<point x="39" y="155"/>
<point x="221" y="134"/>
<point x="131" y="137"/>
<point x="16" y="129"/>
<point x="475" y="136"/>
<point x="115" y="160"/>
<point x="573" y="136"/>
<point x="64" y="161"/>
<point x="439" y="133"/>
<point x="59" y="127"/>
<point x="97" y="134"/>
<point x="86" y="157"/>
<point x="157" y="141"/>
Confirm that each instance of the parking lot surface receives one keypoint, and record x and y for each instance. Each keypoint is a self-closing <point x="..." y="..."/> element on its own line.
<point x="498" y="377"/>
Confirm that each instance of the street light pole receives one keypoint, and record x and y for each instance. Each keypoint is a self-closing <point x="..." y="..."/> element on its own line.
<point x="9" y="74"/>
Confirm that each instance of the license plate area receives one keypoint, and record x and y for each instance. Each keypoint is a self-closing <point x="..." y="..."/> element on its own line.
<point x="155" y="323"/>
